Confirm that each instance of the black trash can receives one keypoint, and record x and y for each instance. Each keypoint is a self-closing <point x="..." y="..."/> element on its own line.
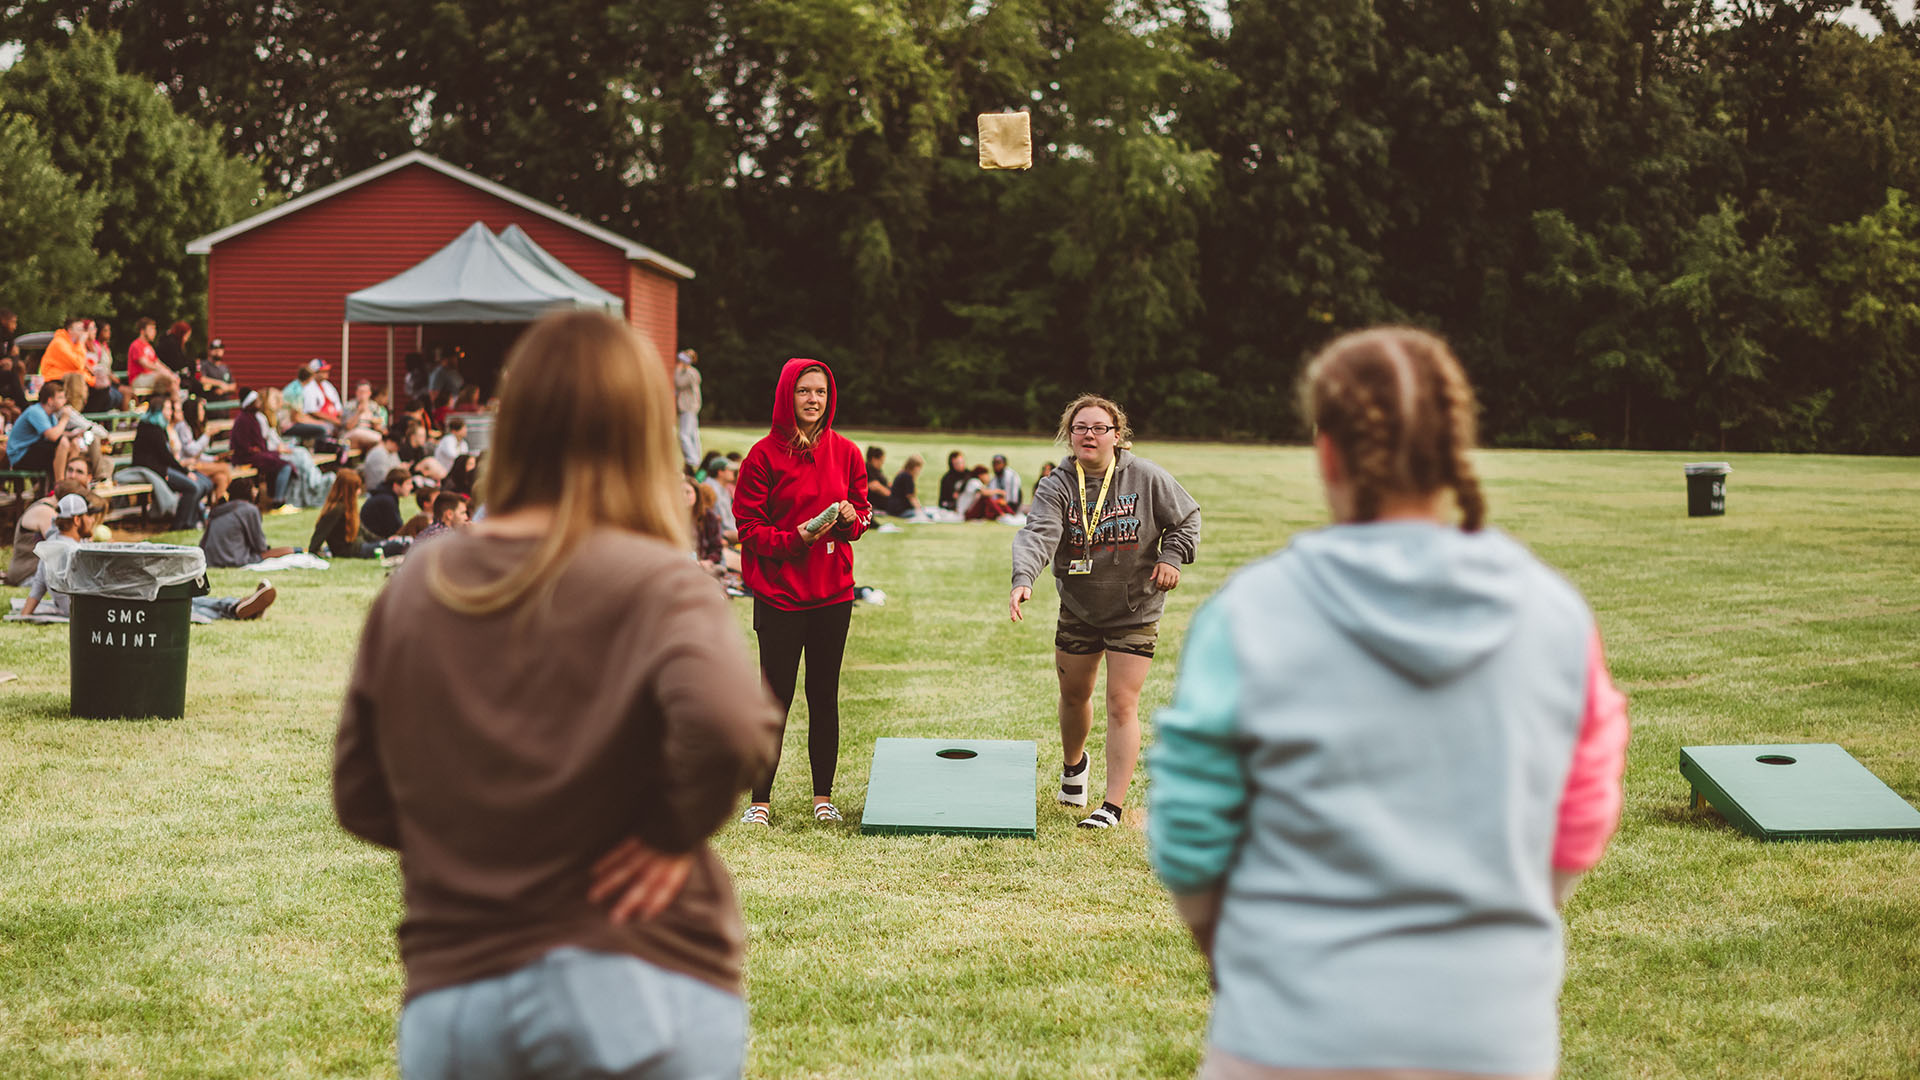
<point x="129" y="657"/>
<point x="1707" y="488"/>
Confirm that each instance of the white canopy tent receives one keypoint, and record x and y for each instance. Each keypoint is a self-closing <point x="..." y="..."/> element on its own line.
<point x="478" y="277"/>
<point x="516" y="238"/>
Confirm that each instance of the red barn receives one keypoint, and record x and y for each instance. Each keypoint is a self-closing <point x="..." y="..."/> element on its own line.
<point x="277" y="282"/>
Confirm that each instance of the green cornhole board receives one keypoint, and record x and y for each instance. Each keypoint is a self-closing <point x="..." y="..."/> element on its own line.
<point x="964" y="787"/>
<point x="1796" y="791"/>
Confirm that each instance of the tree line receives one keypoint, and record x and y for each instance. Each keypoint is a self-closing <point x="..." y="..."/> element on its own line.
<point x="1643" y="223"/>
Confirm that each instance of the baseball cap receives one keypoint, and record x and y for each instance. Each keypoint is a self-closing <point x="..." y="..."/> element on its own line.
<point x="73" y="506"/>
<point x="317" y="364"/>
<point x="215" y="344"/>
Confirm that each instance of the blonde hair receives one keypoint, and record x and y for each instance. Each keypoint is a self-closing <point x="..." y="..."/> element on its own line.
<point x="1399" y="409"/>
<point x="1122" y="433"/>
<point x="585" y="428"/>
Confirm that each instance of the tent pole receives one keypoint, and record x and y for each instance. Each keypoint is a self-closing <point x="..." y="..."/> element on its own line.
<point x="390" y="395"/>
<point x="344" y="370"/>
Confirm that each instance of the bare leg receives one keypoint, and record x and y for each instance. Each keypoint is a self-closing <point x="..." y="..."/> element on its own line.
<point x="220" y="473"/>
<point x="1077" y="675"/>
<point x="62" y="450"/>
<point x="1126" y="674"/>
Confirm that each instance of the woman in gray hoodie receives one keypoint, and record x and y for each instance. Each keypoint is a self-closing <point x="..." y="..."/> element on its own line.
<point x="1113" y="581"/>
<point x="1393" y="747"/>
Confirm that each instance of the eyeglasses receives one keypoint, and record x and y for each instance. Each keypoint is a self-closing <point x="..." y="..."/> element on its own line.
<point x="1091" y="429"/>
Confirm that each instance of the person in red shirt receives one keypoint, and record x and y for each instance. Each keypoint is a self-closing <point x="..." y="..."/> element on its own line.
<point x="143" y="364"/>
<point x="800" y="503"/>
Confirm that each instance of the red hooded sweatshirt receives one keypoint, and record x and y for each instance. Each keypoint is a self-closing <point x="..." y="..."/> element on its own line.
<point x="780" y="488"/>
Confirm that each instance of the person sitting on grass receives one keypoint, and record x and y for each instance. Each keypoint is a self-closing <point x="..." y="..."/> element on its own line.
<point x="980" y="500"/>
<point x="878" y="490"/>
<point x="422" y="499"/>
<point x="464" y="476"/>
<point x="235" y="534"/>
<point x="709" y="545"/>
<point x="954" y="479"/>
<point x="75" y="517"/>
<point x="380" y="514"/>
<point x="1007" y="481"/>
<point x="207" y="609"/>
<point x="35" y="525"/>
<point x="722" y="473"/>
<point x="904" y="500"/>
<point x="338" y="527"/>
<point x="449" y="513"/>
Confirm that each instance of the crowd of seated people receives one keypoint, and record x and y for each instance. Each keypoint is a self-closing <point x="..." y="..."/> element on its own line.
<point x="285" y="445"/>
<point x="978" y="493"/>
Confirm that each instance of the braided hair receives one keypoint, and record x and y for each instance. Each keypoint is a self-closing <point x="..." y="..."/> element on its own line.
<point x="1400" y="411"/>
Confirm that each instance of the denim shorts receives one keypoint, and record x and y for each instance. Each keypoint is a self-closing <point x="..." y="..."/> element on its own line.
<point x="575" y="1012"/>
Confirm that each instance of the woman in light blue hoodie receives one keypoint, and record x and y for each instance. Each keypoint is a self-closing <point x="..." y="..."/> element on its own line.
<point x="1393" y="747"/>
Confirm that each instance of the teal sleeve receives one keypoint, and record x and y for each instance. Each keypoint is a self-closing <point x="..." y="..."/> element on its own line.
<point x="1199" y="783"/>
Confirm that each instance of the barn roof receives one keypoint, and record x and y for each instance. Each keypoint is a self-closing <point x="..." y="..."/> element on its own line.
<point x="636" y="252"/>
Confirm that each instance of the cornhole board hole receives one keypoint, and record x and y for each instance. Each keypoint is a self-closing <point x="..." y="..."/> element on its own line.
<point x="1796" y="791"/>
<point x="962" y="787"/>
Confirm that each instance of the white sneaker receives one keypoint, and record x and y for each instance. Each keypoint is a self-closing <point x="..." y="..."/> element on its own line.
<point x="1073" y="782"/>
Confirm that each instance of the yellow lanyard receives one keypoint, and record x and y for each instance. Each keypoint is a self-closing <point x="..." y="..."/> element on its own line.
<point x="1091" y="517"/>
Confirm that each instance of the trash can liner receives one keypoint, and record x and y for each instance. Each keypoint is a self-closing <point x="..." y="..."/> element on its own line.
<point x="121" y="571"/>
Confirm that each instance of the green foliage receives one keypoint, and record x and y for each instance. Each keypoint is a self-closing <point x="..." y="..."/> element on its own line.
<point x="50" y="271"/>
<point x="155" y="179"/>
<point x="1632" y="217"/>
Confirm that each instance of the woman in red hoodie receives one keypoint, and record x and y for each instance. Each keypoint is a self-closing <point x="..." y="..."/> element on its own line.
<point x="800" y="503"/>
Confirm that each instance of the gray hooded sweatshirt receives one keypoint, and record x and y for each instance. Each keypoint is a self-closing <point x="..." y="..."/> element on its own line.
<point x="1366" y="754"/>
<point x="1148" y="518"/>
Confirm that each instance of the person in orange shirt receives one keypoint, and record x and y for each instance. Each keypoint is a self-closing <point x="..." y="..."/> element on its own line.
<point x="66" y="352"/>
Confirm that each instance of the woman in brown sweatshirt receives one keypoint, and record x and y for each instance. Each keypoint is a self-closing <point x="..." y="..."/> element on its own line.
<point x="550" y="714"/>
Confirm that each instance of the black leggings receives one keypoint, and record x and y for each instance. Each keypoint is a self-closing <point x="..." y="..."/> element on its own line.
<point x="821" y="633"/>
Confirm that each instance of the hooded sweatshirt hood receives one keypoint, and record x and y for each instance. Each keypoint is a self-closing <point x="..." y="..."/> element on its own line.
<point x="784" y="424"/>
<point x="1428" y="599"/>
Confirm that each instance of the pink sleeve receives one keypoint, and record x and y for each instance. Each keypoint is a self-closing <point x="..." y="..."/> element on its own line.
<point x="1590" y="805"/>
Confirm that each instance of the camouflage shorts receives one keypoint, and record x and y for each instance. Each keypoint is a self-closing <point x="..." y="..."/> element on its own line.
<point x="1079" y="638"/>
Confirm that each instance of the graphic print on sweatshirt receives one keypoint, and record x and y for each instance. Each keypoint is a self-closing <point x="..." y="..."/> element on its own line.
<point x="1119" y="528"/>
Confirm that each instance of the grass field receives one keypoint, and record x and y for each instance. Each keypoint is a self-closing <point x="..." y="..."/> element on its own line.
<point x="177" y="902"/>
